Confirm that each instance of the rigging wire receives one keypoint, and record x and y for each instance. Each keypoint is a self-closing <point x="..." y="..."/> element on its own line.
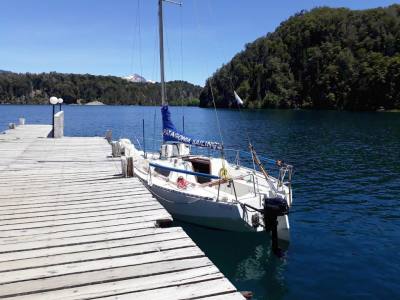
<point x="154" y="129"/>
<point x="140" y="59"/>
<point x="229" y="75"/>
<point x="134" y="36"/>
<point x="133" y="47"/>
<point x="169" y="60"/>
<point x="181" y="52"/>
<point x="136" y="45"/>
<point x="170" y="65"/>
<point x="210" y="85"/>
<point x="155" y="69"/>
<point x="180" y="86"/>
<point x="140" y="39"/>
<point x="155" y="74"/>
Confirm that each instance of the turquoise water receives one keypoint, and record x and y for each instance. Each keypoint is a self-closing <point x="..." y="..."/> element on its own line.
<point x="346" y="214"/>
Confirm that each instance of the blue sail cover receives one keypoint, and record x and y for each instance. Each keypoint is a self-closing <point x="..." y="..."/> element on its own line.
<point x="171" y="134"/>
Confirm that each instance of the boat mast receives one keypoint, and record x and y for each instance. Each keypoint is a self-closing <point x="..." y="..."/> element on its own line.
<point x="161" y="36"/>
<point x="161" y="33"/>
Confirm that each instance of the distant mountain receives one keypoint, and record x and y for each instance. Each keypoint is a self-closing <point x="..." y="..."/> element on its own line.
<point x="326" y="58"/>
<point x="3" y="71"/>
<point x="30" y="88"/>
<point x="137" y="78"/>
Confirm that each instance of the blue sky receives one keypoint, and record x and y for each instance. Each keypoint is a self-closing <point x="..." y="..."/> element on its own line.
<point x="102" y="36"/>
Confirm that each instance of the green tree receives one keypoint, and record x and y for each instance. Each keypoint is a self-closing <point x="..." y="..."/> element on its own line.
<point x="327" y="58"/>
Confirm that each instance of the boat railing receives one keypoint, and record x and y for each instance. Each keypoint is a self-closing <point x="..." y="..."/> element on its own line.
<point x="236" y="153"/>
<point x="184" y="171"/>
<point x="284" y="172"/>
<point x="238" y="156"/>
<point x="280" y="170"/>
<point x="218" y="180"/>
<point x="148" y="144"/>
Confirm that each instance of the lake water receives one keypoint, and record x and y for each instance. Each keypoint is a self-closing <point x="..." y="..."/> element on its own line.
<point x="345" y="221"/>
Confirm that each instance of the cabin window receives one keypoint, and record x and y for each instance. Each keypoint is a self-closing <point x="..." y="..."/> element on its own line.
<point x="162" y="171"/>
<point x="201" y="166"/>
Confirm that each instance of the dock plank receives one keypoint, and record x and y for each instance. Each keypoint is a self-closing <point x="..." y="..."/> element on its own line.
<point x="71" y="227"/>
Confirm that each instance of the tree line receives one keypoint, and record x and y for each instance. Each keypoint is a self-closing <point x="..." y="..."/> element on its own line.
<point x="326" y="58"/>
<point x="29" y="88"/>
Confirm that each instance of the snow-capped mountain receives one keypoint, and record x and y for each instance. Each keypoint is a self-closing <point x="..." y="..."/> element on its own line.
<point x="137" y="78"/>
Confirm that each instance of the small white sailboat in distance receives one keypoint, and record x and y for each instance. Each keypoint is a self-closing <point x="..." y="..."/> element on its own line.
<point x="211" y="191"/>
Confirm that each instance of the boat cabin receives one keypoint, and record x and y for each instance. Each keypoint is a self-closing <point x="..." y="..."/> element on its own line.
<point x="174" y="149"/>
<point x="200" y="165"/>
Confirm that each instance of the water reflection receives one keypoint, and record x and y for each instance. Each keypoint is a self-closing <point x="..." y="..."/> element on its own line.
<point x="246" y="259"/>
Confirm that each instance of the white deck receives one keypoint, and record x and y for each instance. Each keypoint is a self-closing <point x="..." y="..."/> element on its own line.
<point x="72" y="228"/>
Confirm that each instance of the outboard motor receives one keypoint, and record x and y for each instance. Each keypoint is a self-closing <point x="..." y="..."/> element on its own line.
<point x="273" y="208"/>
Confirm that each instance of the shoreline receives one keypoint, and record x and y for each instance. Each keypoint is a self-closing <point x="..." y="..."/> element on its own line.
<point x="98" y="103"/>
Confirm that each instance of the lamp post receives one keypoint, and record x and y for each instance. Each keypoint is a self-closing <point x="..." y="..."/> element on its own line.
<point x="60" y="101"/>
<point x="53" y="102"/>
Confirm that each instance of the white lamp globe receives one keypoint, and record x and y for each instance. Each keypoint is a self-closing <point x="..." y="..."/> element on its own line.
<point x="60" y="100"/>
<point x="53" y="100"/>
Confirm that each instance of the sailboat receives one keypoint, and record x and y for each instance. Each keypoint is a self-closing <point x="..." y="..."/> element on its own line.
<point x="211" y="191"/>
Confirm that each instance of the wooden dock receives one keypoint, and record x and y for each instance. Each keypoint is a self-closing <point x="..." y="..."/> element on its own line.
<point x="72" y="228"/>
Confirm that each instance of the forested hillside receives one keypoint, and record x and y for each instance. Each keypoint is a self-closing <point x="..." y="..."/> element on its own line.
<point x="325" y="59"/>
<point x="73" y="88"/>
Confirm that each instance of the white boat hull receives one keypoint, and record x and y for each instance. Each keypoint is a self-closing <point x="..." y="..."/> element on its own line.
<point x="201" y="211"/>
<point x="209" y="213"/>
